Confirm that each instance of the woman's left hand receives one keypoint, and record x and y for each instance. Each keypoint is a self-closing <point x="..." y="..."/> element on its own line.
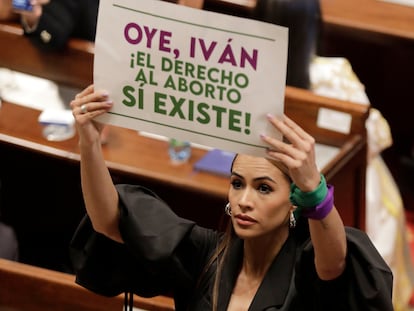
<point x="298" y="154"/>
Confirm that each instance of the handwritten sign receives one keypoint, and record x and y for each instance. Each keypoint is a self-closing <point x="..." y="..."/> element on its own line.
<point x="194" y="75"/>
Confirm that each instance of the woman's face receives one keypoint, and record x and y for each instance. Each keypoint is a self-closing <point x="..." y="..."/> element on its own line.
<point x="258" y="196"/>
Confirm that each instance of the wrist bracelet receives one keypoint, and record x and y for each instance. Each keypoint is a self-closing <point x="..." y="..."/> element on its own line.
<point x="322" y="209"/>
<point x="308" y="199"/>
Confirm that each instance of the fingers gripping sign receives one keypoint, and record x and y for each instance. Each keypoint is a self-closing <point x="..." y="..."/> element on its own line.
<point x="87" y="105"/>
<point x="297" y="154"/>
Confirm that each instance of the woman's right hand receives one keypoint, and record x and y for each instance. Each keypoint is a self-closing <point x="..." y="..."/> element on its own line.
<point x="87" y="105"/>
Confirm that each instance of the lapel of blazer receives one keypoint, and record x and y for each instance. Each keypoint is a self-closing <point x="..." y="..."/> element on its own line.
<point x="278" y="281"/>
<point x="276" y="284"/>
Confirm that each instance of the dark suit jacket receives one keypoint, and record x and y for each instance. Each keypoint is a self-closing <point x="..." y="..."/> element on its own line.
<point x="63" y="19"/>
<point x="303" y="18"/>
<point x="165" y="254"/>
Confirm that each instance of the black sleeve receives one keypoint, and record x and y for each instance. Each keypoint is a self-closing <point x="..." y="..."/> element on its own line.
<point x="161" y="251"/>
<point x="365" y="285"/>
<point x="370" y="278"/>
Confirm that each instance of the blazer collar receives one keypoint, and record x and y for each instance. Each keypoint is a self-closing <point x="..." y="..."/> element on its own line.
<point x="275" y="285"/>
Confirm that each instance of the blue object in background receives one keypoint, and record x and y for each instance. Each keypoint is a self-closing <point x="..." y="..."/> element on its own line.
<point x="216" y="161"/>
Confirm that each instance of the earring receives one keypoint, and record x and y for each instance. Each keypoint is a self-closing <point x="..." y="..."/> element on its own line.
<point x="227" y="209"/>
<point x="292" y="220"/>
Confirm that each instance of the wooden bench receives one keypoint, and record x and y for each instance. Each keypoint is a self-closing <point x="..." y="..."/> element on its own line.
<point x="29" y="288"/>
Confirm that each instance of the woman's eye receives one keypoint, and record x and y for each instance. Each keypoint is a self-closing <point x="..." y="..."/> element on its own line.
<point x="263" y="188"/>
<point x="236" y="184"/>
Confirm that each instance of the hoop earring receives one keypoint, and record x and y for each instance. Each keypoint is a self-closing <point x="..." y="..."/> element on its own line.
<point x="292" y="220"/>
<point x="227" y="209"/>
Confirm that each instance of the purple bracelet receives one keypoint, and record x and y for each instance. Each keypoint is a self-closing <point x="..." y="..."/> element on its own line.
<point x="321" y="210"/>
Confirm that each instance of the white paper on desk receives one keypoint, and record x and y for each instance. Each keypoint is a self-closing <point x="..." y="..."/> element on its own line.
<point x="401" y="2"/>
<point x="227" y="72"/>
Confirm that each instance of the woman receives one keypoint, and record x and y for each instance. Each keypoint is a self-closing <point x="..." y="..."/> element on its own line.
<point x="275" y="255"/>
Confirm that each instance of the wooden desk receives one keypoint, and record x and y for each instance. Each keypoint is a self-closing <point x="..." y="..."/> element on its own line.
<point x="25" y="287"/>
<point x="375" y="16"/>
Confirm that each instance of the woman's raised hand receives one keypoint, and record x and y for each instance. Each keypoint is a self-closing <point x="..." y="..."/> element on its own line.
<point x="86" y="106"/>
<point x="297" y="154"/>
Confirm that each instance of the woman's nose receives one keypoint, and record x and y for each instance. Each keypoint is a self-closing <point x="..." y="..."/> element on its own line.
<point x="245" y="200"/>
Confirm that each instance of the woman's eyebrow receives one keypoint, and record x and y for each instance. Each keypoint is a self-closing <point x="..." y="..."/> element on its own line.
<point x="264" y="178"/>
<point x="255" y="179"/>
<point x="233" y="173"/>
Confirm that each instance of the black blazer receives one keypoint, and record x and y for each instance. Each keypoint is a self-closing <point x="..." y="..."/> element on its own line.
<point x="303" y="18"/>
<point x="164" y="254"/>
<point x="64" y="19"/>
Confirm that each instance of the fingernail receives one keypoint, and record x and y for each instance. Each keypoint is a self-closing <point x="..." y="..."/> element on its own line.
<point x="269" y="116"/>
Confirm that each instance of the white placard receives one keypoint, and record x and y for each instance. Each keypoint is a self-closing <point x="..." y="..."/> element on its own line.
<point x="195" y="75"/>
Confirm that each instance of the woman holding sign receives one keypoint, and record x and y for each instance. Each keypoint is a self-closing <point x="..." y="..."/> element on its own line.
<point x="286" y="247"/>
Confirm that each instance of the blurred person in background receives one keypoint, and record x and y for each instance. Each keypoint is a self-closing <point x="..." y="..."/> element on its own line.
<point x="51" y="23"/>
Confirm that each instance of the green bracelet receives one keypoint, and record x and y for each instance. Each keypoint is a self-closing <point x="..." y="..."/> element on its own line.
<point x="308" y="199"/>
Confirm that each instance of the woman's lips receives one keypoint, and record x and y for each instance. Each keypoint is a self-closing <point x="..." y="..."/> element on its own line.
<point x="244" y="220"/>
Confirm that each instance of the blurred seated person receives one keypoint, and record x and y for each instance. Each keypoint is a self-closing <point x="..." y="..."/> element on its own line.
<point x="303" y="18"/>
<point x="51" y="23"/>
